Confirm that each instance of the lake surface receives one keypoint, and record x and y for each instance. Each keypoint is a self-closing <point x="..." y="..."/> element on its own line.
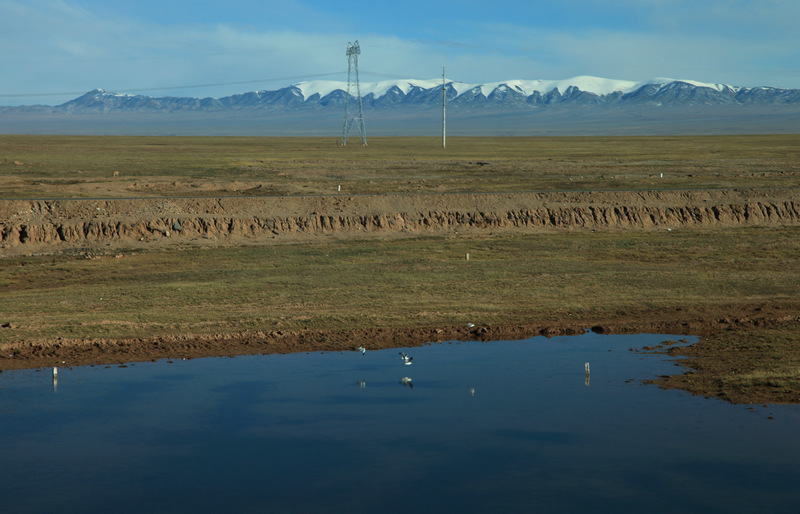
<point x="506" y="426"/>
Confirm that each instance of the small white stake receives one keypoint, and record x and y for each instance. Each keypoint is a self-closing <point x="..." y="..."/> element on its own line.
<point x="467" y="255"/>
<point x="587" y="368"/>
<point x="339" y="188"/>
<point x="55" y="371"/>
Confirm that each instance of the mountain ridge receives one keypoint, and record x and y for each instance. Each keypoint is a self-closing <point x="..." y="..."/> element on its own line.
<point x="578" y="106"/>
<point x="511" y="94"/>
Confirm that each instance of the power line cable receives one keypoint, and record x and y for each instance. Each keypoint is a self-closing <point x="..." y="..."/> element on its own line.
<point x="197" y="86"/>
<point x="166" y="88"/>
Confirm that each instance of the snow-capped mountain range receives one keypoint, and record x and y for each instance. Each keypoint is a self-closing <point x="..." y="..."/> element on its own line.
<point x="595" y="85"/>
<point x="511" y="94"/>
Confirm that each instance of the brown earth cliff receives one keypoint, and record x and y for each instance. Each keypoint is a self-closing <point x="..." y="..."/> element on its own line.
<point x="33" y="226"/>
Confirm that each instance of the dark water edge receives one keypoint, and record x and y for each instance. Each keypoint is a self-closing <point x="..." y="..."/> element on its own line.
<point x="505" y="426"/>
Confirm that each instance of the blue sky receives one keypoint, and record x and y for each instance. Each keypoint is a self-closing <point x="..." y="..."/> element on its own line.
<point x="54" y="50"/>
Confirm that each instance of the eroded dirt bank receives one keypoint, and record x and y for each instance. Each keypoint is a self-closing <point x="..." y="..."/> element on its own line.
<point x="53" y="225"/>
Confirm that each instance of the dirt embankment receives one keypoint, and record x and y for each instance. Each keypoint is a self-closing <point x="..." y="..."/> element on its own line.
<point x="30" y="225"/>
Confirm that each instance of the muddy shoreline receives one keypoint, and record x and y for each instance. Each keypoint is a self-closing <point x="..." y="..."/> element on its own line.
<point x="707" y="323"/>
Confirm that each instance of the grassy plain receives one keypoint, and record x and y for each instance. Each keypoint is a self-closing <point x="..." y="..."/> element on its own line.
<point x="122" y="166"/>
<point x="398" y="283"/>
<point x="412" y="281"/>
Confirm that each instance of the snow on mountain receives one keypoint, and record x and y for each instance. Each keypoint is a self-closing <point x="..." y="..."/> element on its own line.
<point x="378" y="89"/>
<point x="510" y="94"/>
<point x="588" y="84"/>
<point x="595" y="85"/>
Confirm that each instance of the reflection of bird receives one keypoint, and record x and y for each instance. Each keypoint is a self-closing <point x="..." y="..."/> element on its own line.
<point x="362" y="350"/>
<point x="406" y="382"/>
<point x="406" y="359"/>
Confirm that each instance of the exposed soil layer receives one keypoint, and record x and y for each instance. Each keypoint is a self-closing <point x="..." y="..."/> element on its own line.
<point x="28" y="226"/>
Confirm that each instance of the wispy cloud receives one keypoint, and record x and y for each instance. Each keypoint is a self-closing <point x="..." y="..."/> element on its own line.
<point x="60" y="46"/>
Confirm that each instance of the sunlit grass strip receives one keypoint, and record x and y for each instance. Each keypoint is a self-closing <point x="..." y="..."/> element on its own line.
<point x="400" y="283"/>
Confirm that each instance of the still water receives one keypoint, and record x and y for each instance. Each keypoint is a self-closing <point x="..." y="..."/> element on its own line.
<point x="506" y="426"/>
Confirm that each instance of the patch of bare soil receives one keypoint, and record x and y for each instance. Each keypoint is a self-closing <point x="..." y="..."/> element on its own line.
<point x="46" y="226"/>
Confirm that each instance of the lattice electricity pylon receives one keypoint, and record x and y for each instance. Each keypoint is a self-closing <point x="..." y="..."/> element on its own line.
<point x="351" y="118"/>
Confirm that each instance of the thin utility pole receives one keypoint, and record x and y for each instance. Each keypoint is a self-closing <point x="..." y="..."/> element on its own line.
<point x="444" y="117"/>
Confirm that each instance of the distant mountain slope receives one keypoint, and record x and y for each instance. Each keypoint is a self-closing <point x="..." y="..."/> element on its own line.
<point x="513" y="94"/>
<point x="577" y="106"/>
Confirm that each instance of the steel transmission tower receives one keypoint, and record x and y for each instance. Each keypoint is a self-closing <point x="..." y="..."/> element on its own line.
<point x="350" y="117"/>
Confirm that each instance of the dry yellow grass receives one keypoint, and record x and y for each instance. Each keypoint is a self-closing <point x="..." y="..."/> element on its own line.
<point x="399" y="283"/>
<point x="122" y="166"/>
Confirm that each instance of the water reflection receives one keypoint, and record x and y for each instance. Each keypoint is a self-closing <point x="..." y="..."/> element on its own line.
<point x="290" y="433"/>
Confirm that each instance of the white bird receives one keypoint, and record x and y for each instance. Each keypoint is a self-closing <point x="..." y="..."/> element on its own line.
<point x="470" y="325"/>
<point x="406" y="359"/>
<point x="362" y="350"/>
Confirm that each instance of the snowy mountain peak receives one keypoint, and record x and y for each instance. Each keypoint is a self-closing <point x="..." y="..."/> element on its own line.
<point x="595" y="85"/>
<point x="509" y="94"/>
